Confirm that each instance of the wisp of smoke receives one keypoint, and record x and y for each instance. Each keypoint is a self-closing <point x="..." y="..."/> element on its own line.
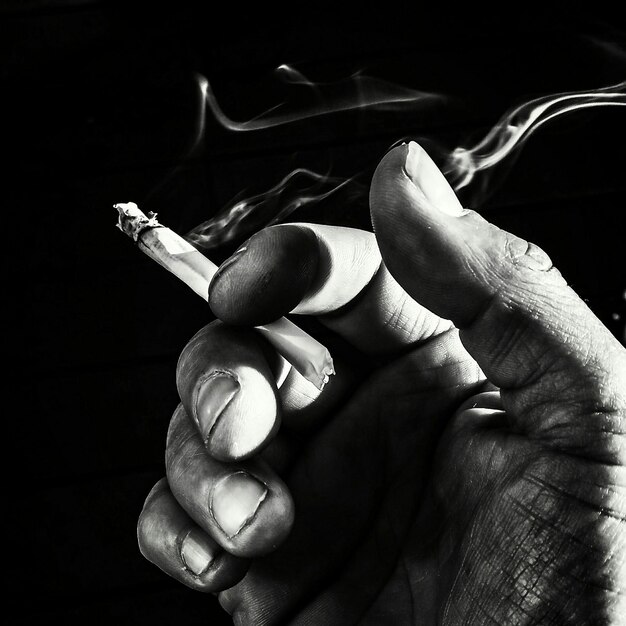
<point x="244" y="216"/>
<point x="358" y="91"/>
<point x="302" y="187"/>
<point x="517" y="125"/>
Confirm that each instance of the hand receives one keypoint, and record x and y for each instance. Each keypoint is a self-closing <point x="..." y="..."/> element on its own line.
<point x="415" y="488"/>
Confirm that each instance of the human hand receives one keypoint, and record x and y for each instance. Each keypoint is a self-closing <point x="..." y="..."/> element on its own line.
<point x="424" y="490"/>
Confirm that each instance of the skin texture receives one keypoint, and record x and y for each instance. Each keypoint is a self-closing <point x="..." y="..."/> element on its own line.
<point x="466" y="465"/>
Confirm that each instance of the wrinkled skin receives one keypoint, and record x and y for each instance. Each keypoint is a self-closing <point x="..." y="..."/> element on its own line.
<point x="462" y="472"/>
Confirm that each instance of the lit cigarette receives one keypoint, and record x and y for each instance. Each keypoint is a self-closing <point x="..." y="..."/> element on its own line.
<point x="307" y="355"/>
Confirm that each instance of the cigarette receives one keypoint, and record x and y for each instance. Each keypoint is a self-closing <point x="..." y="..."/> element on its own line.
<point x="307" y="355"/>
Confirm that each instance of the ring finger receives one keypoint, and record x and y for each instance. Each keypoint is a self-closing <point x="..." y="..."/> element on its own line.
<point x="243" y="506"/>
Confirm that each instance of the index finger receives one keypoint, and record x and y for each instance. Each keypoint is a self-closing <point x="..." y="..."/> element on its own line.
<point x="332" y="272"/>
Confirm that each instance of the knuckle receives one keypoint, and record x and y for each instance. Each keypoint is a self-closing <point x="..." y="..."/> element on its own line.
<point x="179" y="436"/>
<point x="526" y="272"/>
<point x="526" y="254"/>
<point x="175" y="433"/>
<point x="143" y="533"/>
<point x="514" y="265"/>
<point x="195" y="351"/>
<point x="146" y="520"/>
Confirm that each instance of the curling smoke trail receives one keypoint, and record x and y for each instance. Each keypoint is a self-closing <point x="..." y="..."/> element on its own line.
<point x="514" y="129"/>
<point x="462" y="165"/>
<point x="301" y="187"/>
<point x="192" y="148"/>
<point x="355" y="92"/>
<point x="242" y="216"/>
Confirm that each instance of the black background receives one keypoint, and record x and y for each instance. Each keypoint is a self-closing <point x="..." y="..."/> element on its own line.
<point x="102" y="103"/>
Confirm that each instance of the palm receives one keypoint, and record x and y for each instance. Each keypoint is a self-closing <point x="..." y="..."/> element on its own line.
<point x="364" y="520"/>
<point x="399" y="506"/>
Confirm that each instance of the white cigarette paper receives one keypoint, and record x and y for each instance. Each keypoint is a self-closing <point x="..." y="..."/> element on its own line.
<point x="307" y="355"/>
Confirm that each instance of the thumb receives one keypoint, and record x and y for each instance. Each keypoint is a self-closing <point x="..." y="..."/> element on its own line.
<point x="529" y="332"/>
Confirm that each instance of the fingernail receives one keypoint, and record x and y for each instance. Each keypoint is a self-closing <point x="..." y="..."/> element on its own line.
<point x="235" y="501"/>
<point x="197" y="552"/>
<point x="214" y="395"/>
<point x="430" y="181"/>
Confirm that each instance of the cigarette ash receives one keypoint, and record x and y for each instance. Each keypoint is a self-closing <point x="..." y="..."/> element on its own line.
<point x="307" y="355"/>
<point x="132" y="221"/>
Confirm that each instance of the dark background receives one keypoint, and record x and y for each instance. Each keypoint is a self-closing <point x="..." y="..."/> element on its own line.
<point x="102" y="107"/>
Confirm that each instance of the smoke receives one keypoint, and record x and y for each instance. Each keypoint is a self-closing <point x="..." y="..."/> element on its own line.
<point x="303" y="187"/>
<point x="193" y="146"/>
<point x="517" y="125"/>
<point x="357" y="91"/>
<point x="245" y="215"/>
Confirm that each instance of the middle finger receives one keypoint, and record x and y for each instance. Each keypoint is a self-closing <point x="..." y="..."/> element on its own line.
<point x="332" y="272"/>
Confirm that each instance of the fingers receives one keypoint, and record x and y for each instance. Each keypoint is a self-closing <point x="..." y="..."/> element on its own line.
<point x="227" y="381"/>
<point x="320" y="270"/>
<point x="244" y="507"/>
<point x="170" y="539"/>
<point x="228" y="388"/>
<point x="359" y="482"/>
<point x="529" y="332"/>
<point x="272" y="271"/>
